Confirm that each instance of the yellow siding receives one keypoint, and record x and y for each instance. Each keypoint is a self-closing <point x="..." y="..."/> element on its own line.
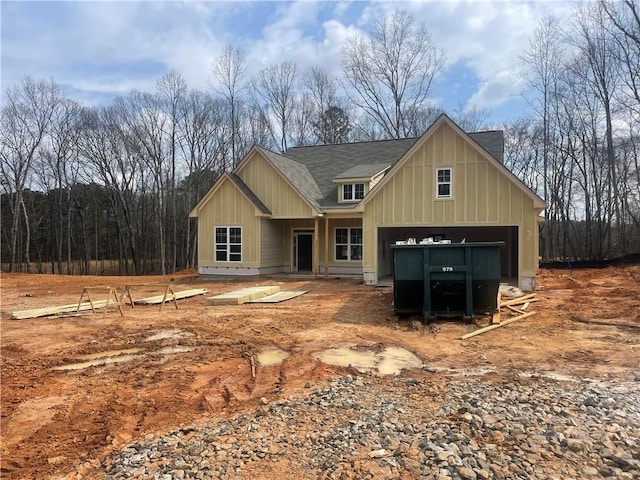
<point x="272" y="243"/>
<point x="228" y="207"/>
<point x="283" y="201"/>
<point x="483" y="194"/>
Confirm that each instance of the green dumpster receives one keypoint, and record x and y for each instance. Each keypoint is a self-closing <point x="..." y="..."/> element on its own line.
<point x="446" y="279"/>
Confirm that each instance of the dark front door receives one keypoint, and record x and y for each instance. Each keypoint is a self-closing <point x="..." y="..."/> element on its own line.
<point x="305" y="252"/>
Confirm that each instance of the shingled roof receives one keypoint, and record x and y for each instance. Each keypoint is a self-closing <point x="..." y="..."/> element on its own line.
<point x="366" y="170"/>
<point x="327" y="162"/>
<point x="298" y="174"/>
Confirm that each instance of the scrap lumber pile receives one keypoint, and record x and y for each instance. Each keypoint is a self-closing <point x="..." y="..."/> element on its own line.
<point x="507" y="310"/>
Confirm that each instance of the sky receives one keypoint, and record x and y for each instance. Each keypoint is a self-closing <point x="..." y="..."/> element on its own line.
<point x="97" y="50"/>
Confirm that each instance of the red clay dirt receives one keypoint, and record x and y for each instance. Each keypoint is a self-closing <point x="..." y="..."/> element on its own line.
<point x="154" y="371"/>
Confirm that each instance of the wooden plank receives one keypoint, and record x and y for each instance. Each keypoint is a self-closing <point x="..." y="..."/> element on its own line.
<point x="496" y="317"/>
<point x="514" y="309"/>
<point x="516" y="301"/>
<point x="279" y="297"/>
<point x="493" y="327"/>
<point x="48" y="311"/>
<point x="156" y="299"/>
<point x="238" y="297"/>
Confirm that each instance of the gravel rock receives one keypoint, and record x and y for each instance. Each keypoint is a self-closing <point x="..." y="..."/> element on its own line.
<point x="411" y="426"/>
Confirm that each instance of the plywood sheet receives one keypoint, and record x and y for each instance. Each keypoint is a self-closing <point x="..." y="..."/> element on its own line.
<point x="279" y="297"/>
<point x="178" y="295"/>
<point x="244" y="295"/>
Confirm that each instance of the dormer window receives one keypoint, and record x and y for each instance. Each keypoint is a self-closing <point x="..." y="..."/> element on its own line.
<point x="355" y="183"/>
<point x="352" y="192"/>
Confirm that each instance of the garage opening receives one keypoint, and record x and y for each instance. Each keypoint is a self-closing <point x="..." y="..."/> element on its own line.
<point x="388" y="236"/>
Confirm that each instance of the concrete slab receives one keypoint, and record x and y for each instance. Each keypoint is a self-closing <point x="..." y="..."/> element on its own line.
<point x="244" y="295"/>
<point x="279" y="297"/>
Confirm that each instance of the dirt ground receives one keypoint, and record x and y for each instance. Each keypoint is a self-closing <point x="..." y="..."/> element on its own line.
<point x="150" y="371"/>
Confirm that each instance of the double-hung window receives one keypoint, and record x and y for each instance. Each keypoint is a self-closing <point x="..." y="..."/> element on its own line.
<point x="443" y="183"/>
<point x="349" y="244"/>
<point x="352" y="192"/>
<point x="228" y="244"/>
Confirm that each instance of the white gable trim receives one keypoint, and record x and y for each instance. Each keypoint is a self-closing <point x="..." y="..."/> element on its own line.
<point x="216" y="186"/>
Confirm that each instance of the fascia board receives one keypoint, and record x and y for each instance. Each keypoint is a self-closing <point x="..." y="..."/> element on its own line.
<point x="224" y="177"/>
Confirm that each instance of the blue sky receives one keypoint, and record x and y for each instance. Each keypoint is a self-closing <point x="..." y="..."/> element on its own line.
<point x="100" y="49"/>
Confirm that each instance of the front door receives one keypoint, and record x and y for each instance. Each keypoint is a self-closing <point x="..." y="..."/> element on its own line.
<point x="304" y="252"/>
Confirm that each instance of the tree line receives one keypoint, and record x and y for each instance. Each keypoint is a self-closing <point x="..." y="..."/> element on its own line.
<point x="84" y="185"/>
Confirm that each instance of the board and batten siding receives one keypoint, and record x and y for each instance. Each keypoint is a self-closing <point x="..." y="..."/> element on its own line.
<point x="272" y="244"/>
<point x="274" y="191"/>
<point x="228" y="207"/>
<point x="482" y="195"/>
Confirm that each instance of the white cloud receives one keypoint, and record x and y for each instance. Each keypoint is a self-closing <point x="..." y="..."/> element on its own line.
<point x="487" y="37"/>
<point x="495" y="91"/>
<point x="105" y="47"/>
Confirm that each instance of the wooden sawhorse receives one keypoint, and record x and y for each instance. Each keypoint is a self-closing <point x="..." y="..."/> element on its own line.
<point x="112" y="292"/>
<point x="169" y="293"/>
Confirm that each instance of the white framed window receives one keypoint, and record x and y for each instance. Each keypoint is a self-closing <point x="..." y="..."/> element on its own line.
<point x="349" y="244"/>
<point x="443" y="183"/>
<point x="352" y="192"/>
<point x="228" y="244"/>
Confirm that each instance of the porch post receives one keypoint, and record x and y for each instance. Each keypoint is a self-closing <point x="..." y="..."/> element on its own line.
<point x="316" y="256"/>
<point x="326" y="247"/>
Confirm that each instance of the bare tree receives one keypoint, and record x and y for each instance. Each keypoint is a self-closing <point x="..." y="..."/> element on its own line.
<point x="333" y="126"/>
<point x="111" y="157"/>
<point x="141" y="116"/>
<point x="389" y="74"/>
<point x="58" y="167"/>
<point x="420" y="120"/>
<point x="172" y="89"/>
<point x="322" y="88"/>
<point x="624" y="18"/>
<point x="26" y="117"/>
<point x="301" y="125"/>
<point x="471" y="119"/>
<point x="597" y="52"/>
<point x="229" y="75"/>
<point x="258" y="126"/>
<point x="205" y="136"/>
<point x="523" y="151"/>
<point x="543" y="64"/>
<point x="274" y="88"/>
